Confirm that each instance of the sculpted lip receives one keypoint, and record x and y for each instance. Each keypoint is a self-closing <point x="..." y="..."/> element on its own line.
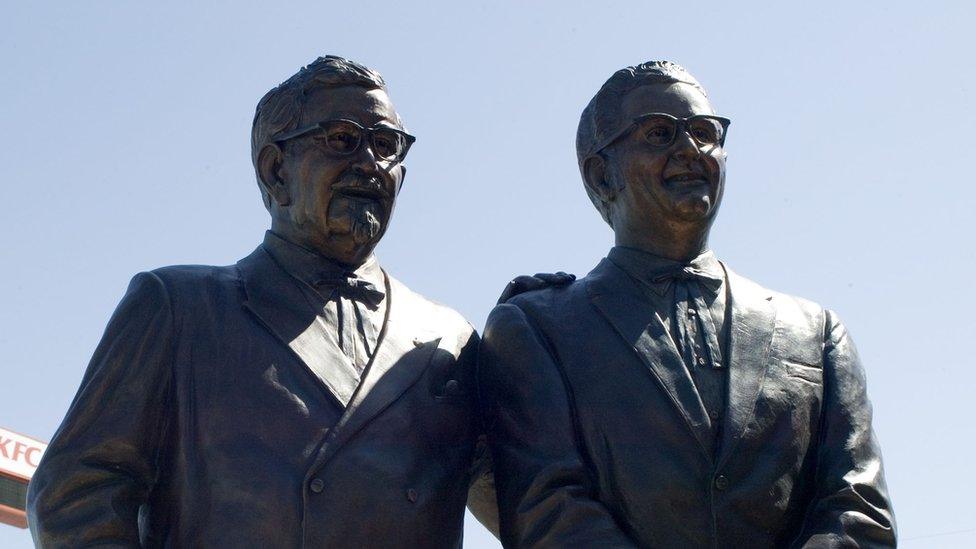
<point x="370" y="188"/>
<point x="686" y="177"/>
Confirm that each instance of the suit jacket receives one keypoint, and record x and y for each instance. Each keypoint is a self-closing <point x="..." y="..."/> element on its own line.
<point x="198" y="425"/>
<point x="599" y="437"/>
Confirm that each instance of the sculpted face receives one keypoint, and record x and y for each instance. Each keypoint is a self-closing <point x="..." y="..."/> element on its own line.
<point x="338" y="205"/>
<point x="670" y="191"/>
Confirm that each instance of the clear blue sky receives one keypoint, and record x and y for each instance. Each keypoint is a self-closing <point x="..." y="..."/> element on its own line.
<point x="850" y="176"/>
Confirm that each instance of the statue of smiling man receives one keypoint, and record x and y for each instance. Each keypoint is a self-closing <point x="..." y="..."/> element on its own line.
<point x="663" y="400"/>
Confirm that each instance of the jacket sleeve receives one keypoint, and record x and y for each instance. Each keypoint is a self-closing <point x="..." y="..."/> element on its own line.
<point x="851" y="507"/>
<point x="545" y="493"/>
<point x="481" y="492"/>
<point x="101" y="464"/>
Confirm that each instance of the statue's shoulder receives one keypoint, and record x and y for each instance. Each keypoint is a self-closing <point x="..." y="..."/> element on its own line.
<point x="192" y="287"/>
<point x="791" y="311"/>
<point x="178" y="273"/>
<point x="189" y="277"/>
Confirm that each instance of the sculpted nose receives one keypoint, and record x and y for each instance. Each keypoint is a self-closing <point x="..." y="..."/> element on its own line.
<point x="684" y="147"/>
<point x="365" y="160"/>
<point x="366" y="165"/>
<point x="367" y="153"/>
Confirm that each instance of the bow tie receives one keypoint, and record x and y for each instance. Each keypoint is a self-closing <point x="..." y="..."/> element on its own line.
<point x="689" y="273"/>
<point x="692" y="315"/>
<point x="354" y="288"/>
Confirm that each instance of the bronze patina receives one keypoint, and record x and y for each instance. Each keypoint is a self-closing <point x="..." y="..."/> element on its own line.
<point x="300" y="398"/>
<point x="664" y="400"/>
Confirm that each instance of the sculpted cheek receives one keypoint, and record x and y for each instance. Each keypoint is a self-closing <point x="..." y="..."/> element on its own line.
<point x="715" y="163"/>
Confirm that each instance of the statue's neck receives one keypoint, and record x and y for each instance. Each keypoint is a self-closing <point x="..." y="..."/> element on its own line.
<point x="681" y="245"/>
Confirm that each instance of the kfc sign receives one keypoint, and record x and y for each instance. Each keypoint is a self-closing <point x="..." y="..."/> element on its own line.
<point x="19" y="455"/>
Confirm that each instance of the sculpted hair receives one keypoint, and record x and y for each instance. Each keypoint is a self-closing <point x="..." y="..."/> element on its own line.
<point x="280" y="110"/>
<point x="601" y="117"/>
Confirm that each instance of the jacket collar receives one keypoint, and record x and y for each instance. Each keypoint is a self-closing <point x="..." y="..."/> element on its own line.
<point x="614" y="293"/>
<point x="279" y="304"/>
<point x="752" y="325"/>
<point x="407" y="345"/>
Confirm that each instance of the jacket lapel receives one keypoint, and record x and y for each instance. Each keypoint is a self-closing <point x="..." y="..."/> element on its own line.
<point x="275" y="298"/>
<point x="404" y="350"/>
<point x="618" y="298"/>
<point x="752" y="323"/>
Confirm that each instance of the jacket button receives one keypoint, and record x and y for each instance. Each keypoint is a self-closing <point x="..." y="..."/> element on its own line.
<point x="316" y="485"/>
<point x="721" y="482"/>
<point x="412" y="495"/>
<point x="452" y="388"/>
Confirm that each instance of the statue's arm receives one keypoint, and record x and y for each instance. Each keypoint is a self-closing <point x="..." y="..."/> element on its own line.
<point x="481" y="492"/>
<point x="545" y="493"/>
<point x="482" y="501"/>
<point x="852" y="503"/>
<point x="101" y="463"/>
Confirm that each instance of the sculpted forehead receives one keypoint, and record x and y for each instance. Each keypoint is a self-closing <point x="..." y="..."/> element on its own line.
<point x="677" y="99"/>
<point x="368" y="107"/>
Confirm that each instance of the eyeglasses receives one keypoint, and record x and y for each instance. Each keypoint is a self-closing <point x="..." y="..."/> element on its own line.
<point x="345" y="137"/>
<point x="660" y="129"/>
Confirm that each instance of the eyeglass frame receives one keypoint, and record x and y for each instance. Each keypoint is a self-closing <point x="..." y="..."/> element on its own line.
<point x="369" y="132"/>
<point x="681" y="124"/>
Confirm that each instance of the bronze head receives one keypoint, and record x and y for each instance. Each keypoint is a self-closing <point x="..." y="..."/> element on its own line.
<point x="650" y="149"/>
<point x="328" y="148"/>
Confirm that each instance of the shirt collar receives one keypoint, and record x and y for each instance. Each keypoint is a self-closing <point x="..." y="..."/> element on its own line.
<point x="648" y="268"/>
<point x="313" y="268"/>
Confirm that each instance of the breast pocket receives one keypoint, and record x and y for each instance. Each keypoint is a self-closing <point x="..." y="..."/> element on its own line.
<point x="448" y="383"/>
<point x="445" y="409"/>
<point x="809" y="373"/>
<point x="789" y="408"/>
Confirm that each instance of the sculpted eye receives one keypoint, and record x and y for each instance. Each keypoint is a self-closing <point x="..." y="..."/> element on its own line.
<point x="702" y="135"/>
<point x="706" y="132"/>
<point x="659" y="134"/>
<point x="341" y="136"/>
<point x="341" y="141"/>
<point x="386" y="144"/>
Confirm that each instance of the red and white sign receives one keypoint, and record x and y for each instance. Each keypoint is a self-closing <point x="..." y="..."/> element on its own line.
<point x="19" y="455"/>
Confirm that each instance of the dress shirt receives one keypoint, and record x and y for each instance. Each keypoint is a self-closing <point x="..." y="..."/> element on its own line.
<point x="690" y="300"/>
<point x="349" y="303"/>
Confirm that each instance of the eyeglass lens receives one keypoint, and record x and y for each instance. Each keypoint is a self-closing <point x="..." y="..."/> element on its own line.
<point x="344" y="137"/>
<point x="660" y="131"/>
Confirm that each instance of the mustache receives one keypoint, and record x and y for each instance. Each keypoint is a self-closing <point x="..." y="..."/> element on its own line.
<point x="361" y="184"/>
<point x="685" y="175"/>
<point x="693" y="170"/>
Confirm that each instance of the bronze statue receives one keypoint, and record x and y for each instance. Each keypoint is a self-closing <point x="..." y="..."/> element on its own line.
<point x="302" y="397"/>
<point x="663" y="400"/>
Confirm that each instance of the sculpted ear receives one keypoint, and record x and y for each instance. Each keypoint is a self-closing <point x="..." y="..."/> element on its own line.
<point x="269" y="172"/>
<point x="595" y="176"/>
